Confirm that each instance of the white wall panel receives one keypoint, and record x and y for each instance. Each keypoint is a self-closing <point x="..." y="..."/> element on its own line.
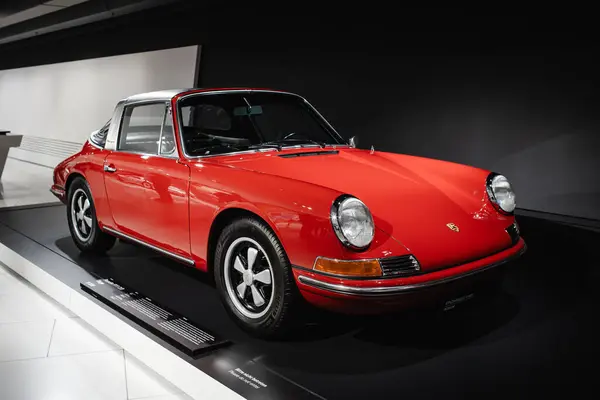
<point x="67" y="101"/>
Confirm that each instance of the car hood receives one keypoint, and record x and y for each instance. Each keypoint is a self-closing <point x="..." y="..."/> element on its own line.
<point x="411" y="198"/>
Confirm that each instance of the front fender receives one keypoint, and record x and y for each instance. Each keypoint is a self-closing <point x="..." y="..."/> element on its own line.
<point x="298" y="213"/>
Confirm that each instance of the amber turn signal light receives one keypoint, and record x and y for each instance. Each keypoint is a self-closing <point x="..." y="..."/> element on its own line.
<point x="348" y="267"/>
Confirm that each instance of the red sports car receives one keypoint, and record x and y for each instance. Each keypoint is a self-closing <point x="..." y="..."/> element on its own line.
<point x="255" y="187"/>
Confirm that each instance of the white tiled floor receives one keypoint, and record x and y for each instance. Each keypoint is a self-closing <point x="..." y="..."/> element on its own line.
<point x="73" y="336"/>
<point x="48" y="353"/>
<point x="24" y="183"/>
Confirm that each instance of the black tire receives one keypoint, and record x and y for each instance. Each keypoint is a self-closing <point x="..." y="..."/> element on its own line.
<point x="277" y="318"/>
<point x="94" y="240"/>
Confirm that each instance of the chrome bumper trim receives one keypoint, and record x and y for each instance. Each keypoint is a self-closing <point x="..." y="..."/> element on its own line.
<point x="390" y="290"/>
<point x="57" y="192"/>
<point x="151" y="246"/>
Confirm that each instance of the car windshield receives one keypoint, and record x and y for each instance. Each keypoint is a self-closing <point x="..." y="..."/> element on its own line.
<point x="240" y="121"/>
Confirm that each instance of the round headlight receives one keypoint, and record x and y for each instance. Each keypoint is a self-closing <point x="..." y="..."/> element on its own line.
<point x="352" y="222"/>
<point x="501" y="193"/>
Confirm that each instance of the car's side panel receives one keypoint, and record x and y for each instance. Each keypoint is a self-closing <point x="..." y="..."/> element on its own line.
<point x="148" y="197"/>
<point x="168" y="206"/>
<point x="126" y="188"/>
<point x="303" y="226"/>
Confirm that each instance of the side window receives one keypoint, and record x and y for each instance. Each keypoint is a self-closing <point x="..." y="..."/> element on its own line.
<point x="99" y="137"/>
<point x="167" y="140"/>
<point x="140" y="128"/>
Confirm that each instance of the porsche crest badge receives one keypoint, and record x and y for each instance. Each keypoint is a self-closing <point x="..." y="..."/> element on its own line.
<point x="452" y="227"/>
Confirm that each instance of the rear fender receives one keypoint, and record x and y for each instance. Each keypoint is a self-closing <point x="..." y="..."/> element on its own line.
<point x="89" y="164"/>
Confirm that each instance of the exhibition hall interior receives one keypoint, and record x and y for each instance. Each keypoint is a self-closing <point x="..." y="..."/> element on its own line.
<point x="254" y="200"/>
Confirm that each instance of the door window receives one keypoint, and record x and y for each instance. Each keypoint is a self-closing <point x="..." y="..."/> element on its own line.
<point x="141" y="127"/>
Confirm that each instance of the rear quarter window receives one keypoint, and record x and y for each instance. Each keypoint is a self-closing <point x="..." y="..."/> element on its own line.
<point x="99" y="137"/>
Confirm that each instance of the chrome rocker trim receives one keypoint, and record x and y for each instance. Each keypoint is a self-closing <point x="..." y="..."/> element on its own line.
<point x="391" y="290"/>
<point x="151" y="246"/>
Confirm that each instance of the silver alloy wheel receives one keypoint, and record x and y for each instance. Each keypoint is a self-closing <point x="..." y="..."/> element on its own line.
<point x="249" y="277"/>
<point x="81" y="215"/>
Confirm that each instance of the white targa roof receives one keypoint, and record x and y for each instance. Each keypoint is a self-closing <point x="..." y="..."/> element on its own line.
<point x="159" y="95"/>
<point x="167" y="95"/>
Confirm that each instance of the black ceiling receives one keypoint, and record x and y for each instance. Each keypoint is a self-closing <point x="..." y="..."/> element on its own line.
<point x="23" y="19"/>
<point x="9" y="7"/>
<point x="96" y="28"/>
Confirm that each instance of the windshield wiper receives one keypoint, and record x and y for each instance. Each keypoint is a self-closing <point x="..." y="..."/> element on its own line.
<point x="278" y="144"/>
<point x="288" y="137"/>
<point x="273" y="145"/>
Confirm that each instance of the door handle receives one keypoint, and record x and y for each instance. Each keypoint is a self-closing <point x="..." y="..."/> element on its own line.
<point x="109" y="168"/>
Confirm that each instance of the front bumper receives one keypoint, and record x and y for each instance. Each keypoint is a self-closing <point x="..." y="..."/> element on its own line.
<point x="356" y="295"/>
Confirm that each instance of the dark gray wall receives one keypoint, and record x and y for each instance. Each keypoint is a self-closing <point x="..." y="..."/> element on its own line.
<point x="528" y="110"/>
<point x="466" y="85"/>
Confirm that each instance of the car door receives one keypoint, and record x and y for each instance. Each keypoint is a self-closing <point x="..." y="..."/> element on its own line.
<point x="146" y="184"/>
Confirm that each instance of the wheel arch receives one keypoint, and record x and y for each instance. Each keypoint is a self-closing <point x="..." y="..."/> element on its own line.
<point x="72" y="176"/>
<point x="221" y="220"/>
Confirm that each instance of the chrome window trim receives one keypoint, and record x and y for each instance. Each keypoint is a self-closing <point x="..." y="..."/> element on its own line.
<point x="234" y="153"/>
<point x="153" y="247"/>
<point x="400" y="289"/>
<point x="263" y="150"/>
<point x="208" y="93"/>
<point x="140" y="153"/>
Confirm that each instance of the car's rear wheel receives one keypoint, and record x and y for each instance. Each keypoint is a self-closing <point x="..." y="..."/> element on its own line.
<point x="83" y="224"/>
<point x="254" y="278"/>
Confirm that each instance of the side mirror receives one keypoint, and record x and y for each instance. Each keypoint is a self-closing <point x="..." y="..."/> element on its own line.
<point x="353" y="141"/>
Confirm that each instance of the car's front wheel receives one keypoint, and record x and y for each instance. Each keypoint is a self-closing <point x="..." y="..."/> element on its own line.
<point x="254" y="278"/>
<point x="83" y="224"/>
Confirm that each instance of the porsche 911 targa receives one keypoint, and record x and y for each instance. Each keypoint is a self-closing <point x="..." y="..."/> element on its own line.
<point x="255" y="187"/>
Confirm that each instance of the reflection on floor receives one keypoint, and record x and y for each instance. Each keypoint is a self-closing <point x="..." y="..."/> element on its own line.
<point x="24" y="183"/>
<point x="46" y="352"/>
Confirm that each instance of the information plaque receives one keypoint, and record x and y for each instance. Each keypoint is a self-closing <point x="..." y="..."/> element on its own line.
<point x="168" y="325"/>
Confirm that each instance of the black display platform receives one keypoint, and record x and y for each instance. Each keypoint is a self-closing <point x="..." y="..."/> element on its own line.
<point x="537" y="338"/>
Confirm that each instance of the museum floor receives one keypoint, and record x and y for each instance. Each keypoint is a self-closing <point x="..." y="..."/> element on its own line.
<point x="46" y="352"/>
<point x="24" y="183"/>
<point x="536" y="338"/>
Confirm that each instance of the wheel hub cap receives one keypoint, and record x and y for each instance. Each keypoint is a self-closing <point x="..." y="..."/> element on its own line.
<point x="81" y="215"/>
<point x="249" y="277"/>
